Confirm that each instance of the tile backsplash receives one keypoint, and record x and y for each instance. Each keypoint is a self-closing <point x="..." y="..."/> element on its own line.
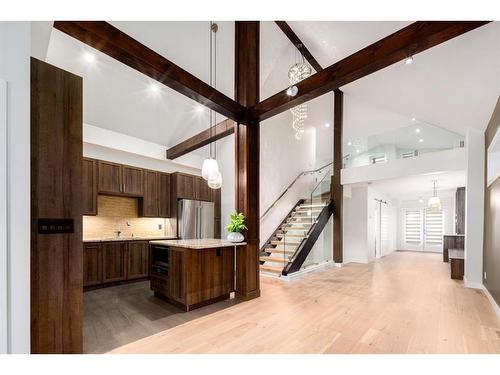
<point x="115" y="212"/>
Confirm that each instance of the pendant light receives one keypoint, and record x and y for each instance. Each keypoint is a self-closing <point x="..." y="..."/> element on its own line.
<point x="434" y="203"/>
<point x="210" y="168"/>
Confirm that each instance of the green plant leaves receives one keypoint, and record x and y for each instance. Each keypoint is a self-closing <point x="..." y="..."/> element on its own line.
<point x="237" y="223"/>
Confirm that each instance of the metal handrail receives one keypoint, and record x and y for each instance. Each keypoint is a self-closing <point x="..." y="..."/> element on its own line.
<point x="293" y="182"/>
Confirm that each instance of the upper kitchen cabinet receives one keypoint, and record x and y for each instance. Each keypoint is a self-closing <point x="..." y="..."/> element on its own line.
<point x="120" y="179"/>
<point x="164" y="195"/>
<point x="185" y="186"/>
<point x="109" y="177"/>
<point x="89" y="181"/>
<point x="133" y="181"/>
<point x="202" y="191"/>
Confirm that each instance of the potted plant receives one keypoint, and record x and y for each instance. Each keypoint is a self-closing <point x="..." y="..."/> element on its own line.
<point x="235" y="227"/>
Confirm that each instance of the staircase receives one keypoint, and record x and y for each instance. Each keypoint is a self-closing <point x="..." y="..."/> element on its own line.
<point x="297" y="233"/>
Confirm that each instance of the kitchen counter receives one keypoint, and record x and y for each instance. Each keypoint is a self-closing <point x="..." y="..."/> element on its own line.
<point x="198" y="244"/>
<point x="121" y="239"/>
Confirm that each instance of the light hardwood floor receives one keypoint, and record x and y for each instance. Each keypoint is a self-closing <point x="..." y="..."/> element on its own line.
<point x="403" y="303"/>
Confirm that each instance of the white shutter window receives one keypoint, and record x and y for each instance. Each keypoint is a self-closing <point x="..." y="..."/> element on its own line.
<point x="434" y="223"/>
<point x="413" y="226"/>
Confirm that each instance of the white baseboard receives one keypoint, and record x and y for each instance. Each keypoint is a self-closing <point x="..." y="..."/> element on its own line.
<point x="303" y="272"/>
<point x="492" y="301"/>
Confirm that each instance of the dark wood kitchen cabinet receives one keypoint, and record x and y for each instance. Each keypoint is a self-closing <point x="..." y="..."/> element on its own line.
<point x="132" y="180"/>
<point x="114" y="260"/>
<point x="156" y="200"/>
<point x="89" y="187"/>
<point x="109" y="177"/>
<point x="150" y="200"/>
<point x="92" y="264"/>
<point x="164" y="194"/>
<point x="120" y="179"/>
<point x="137" y="259"/>
<point x="202" y="191"/>
<point x="185" y="186"/>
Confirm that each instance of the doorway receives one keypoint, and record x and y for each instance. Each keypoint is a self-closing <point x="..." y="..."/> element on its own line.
<point x="380" y="221"/>
<point x="423" y="229"/>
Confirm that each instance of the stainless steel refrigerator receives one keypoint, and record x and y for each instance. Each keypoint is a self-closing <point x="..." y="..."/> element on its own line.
<point x="195" y="219"/>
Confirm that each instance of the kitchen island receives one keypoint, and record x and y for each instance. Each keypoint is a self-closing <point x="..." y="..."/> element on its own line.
<point x="192" y="273"/>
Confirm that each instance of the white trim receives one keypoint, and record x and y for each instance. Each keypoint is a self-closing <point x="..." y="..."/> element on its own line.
<point x="307" y="270"/>
<point x="3" y="219"/>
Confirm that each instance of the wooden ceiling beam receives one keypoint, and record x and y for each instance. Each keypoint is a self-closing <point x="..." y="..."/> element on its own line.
<point x="221" y="130"/>
<point x="413" y="39"/>
<point x="115" y="43"/>
<point x="287" y="30"/>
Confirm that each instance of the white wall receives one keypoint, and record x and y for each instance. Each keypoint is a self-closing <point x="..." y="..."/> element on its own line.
<point x="474" y="208"/>
<point x="15" y="69"/>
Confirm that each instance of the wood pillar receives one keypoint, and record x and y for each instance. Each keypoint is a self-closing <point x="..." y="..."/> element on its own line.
<point x="247" y="157"/>
<point x="336" y="188"/>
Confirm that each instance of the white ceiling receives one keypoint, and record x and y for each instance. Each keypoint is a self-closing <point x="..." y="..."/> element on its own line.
<point x="414" y="187"/>
<point x="454" y="85"/>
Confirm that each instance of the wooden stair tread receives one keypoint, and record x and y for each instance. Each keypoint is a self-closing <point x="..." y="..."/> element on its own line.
<point x="271" y="269"/>
<point x="273" y="260"/>
<point x="276" y="250"/>
<point x="287" y="242"/>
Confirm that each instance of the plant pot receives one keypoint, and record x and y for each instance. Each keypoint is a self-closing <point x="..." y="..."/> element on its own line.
<point x="235" y="237"/>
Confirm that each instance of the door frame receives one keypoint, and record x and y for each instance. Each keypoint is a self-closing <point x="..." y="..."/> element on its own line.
<point x="3" y="220"/>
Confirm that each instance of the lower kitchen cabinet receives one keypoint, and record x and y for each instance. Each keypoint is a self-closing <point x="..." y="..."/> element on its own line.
<point x="137" y="259"/>
<point x="114" y="260"/>
<point x="111" y="262"/>
<point x="92" y="264"/>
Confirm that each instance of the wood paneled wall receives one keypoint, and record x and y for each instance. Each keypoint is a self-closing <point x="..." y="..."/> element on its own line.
<point x="56" y="191"/>
<point x="491" y="243"/>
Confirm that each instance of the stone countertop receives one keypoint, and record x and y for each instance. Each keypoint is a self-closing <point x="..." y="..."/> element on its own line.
<point x="121" y="239"/>
<point x="206" y="243"/>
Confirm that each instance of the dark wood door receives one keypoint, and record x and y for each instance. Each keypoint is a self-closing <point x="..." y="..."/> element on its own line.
<point x="460" y="210"/>
<point x="137" y="259"/>
<point x="89" y="187"/>
<point x="203" y="191"/>
<point x="133" y="181"/>
<point x="56" y="193"/>
<point x="114" y="261"/>
<point x="164" y="194"/>
<point x="109" y="177"/>
<point x="150" y="201"/>
<point x="92" y="264"/>
<point x="176" y="275"/>
<point x="185" y="186"/>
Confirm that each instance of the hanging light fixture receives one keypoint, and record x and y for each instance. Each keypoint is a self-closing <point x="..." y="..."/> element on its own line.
<point x="210" y="168"/>
<point x="434" y="203"/>
<point x="297" y="72"/>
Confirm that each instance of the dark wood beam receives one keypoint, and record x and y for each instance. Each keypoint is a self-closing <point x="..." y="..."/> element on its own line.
<point x="247" y="158"/>
<point x="409" y="41"/>
<point x="336" y="188"/>
<point x="120" y="46"/>
<point x="287" y="30"/>
<point x="221" y="130"/>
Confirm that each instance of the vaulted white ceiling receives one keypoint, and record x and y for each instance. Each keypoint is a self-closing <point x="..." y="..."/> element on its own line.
<point x="454" y="85"/>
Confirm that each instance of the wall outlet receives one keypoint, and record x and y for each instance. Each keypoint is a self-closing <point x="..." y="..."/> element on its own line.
<point x="160" y="226"/>
<point x="485" y="275"/>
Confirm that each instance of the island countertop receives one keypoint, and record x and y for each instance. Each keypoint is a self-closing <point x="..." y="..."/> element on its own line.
<point x="205" y="243"/>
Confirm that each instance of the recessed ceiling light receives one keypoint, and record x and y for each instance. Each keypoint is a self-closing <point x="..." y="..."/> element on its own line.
<point x="420" y="200"/>
<point x="199" y="108"/>
<point x="327" y="125"/>
<point x="409" y="60"/>
<point x="413" y="119"/>
<point x="349" y="143"/>
<point x="154" y="87"/>
<point x="357" y="151"/>
<point x="417" y="130"/>
<point x="421" y="140"/>
<point x="89" y="57"/>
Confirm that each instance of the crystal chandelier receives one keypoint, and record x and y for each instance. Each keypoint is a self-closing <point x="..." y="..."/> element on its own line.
<point x="210" y="169"/>
<point x="297" y="73"/>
